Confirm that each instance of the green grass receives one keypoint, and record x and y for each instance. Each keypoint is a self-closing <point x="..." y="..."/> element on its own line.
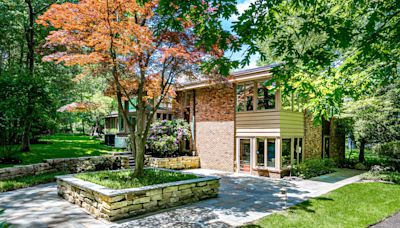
<point x="354" y="205"/>
<point x="62" y="146"/>
<point x="124" y="178"/>
<point x="382" y="176"/>
<point x="27" y="181"/>
<point x="370" y="157"/>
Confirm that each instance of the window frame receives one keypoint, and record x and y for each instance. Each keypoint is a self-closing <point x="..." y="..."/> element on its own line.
<point x="266" y="152"/>
<point x="255" y="97"/>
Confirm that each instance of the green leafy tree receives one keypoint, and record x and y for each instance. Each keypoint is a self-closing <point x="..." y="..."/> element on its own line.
<point x="375" y="119"/>
<point x="329" y="50"/>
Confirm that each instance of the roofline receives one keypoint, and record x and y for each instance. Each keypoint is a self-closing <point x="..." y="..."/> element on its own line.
<point x="238" y="76"/>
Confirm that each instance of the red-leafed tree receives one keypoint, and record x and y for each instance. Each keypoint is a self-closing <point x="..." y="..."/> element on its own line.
<point x="142" y="47"/>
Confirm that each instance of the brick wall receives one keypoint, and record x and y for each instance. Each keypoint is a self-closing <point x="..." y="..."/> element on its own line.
<point x="338" y="140"/>
<point x="215" y="145"/>
<point x="312" y="138"/>
<point x="215" y="132"/>
<point x="216" y="103"/>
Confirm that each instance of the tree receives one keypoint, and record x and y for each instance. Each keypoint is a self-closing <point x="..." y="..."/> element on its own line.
<point x="142" y="47"/>
<point x="329" y="50"/>
<point x="375" y="119"/>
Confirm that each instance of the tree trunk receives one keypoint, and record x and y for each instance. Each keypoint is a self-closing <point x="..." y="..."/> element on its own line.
<point x="25" y="145"/>
<point x="83" y="126"/>
<point x="361" y="156"/>
<point x="139" y="156"/>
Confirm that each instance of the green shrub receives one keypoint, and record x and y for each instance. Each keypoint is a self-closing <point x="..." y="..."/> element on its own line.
<point x="391" y="151"/>
<point x="360" y="166"/>
<point x="166" y="137"/>
<point x="390" y="176"/>
<point x="313" y="167"/>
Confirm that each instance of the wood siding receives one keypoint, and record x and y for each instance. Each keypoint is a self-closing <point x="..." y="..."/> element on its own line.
<point x="270" y="123"/>
<point x="292" y="123"/>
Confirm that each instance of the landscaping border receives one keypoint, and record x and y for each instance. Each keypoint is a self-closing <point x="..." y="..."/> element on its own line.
<point x="177" y="163"/>
<point x="114" y="204"/>
<point x="69" y="165"/>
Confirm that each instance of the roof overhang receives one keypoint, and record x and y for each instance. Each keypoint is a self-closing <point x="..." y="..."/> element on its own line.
<point x="235" y="77"/>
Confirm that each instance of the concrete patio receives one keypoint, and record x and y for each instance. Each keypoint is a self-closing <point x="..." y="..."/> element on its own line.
<point x="242" y="199"/>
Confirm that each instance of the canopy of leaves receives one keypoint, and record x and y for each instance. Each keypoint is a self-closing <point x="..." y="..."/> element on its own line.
<point x="328" y="49"/>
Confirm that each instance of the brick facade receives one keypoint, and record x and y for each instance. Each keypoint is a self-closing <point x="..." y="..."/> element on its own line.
<point x="215" y="143"/>
<point x="338" y="141"/>
<point x="312" y="138"/>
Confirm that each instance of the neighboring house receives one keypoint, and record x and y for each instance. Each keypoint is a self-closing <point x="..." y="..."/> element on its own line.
<point x="242" y="125"/>
<point x="113" y="122"/>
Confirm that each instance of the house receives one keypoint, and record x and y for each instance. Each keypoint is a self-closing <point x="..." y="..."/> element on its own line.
<point x="242" y="125"/>
<point x="115" y="124"/>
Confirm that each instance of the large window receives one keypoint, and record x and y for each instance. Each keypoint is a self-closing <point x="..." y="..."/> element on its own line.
<point x="286" y="151"/>
<point x="265" y="152"/>
<point x="265" y="96"/>
<point x="253" y="96"/>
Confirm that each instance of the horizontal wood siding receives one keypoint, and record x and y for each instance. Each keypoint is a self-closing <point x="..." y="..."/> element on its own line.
<point x="292" y="123"/>
<point x="258" y="120"/>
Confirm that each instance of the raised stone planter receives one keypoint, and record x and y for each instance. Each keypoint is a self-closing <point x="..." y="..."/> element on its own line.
<point x="183" y="162"/>
<point x="112" y="204"/>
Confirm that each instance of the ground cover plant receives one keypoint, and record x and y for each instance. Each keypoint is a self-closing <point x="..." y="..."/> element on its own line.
<point x="62" y="146"/>
<point x="389" y="176"/>
<point x="125" y="178"/>
<point x="27" y="181"/>
<point x="313" y="167"/>
<point x="354" y="205"/>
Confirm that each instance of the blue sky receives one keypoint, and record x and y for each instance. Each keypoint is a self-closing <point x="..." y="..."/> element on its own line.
<point x="242" y="5"/>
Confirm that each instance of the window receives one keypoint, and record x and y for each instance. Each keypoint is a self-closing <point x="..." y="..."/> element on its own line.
<point x="247" y="97"/>
<point x="240" y="98"/>
<point x="286" y="151"/>
<point x="249" y="92"/>
<point x="265" y="96"/>
<point x="271" y="153"/>
<point x="260" y="152"/>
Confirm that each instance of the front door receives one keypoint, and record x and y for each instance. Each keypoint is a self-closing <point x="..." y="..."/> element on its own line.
<point x="244" y="155"/>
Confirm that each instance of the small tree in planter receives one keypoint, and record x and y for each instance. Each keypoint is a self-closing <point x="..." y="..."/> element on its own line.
<point x="166" y="136"/>
<point x="141" y="46"/>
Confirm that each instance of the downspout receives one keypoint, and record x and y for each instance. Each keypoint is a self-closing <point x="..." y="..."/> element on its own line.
<point x="194" y="123"/>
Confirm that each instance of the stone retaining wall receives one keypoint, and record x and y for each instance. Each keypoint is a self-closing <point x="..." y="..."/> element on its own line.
<point x="69" y="165"/>
<point x="111" y="204"/>
<point x="183" y="162"/>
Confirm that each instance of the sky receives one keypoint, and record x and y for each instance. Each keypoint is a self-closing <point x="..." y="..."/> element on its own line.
<point x="241" y="6"/>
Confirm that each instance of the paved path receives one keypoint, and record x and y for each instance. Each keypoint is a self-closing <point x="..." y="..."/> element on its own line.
<point x="242" y="199"/>
<point x="391" y="222"/>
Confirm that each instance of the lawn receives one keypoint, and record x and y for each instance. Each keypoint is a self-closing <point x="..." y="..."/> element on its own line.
<point x="354" y="205"/>
<point x="23" y="182"/>
<point x="62" y="146"/>
<point x="370" y="157"/>
<point x="124" y="178"/>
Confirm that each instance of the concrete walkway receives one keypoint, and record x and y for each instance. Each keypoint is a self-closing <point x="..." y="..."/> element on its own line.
<point x="391" y="222"/>
<point x="242" y="199"/>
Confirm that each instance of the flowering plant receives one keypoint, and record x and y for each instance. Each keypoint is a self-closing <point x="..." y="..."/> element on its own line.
<point x="166" y="136"/>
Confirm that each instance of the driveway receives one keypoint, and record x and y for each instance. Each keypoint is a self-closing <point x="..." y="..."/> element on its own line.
<point x="242" y="199"/>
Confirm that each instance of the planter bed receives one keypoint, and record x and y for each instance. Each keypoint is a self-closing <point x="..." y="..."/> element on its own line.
<point x="113" y="204"/>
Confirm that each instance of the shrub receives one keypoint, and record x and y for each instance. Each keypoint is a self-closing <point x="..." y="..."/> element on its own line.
<point x="166" y="137"/>
<point x="360" y="166"/>
<point x="313" y="167"/>
<point x="391" y="151"/>
<point x="389" y="176"/>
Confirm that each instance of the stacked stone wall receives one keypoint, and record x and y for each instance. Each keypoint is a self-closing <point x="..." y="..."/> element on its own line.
<point x="132" y="202"/>
<point x="68" y="165"/>
<point x="176" y="163"/>
<point x="312" y="138"/>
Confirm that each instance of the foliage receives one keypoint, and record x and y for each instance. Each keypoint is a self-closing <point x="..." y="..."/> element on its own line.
<point x="141" y="47"/>
<point x="391" y="151"/>
<point x="27" y="181"/>
<point x="354" y="205"/>
<point x="390" y="176"/>
<point x="313" y="167"/>
<point x="166" y="137"/>
<point x="63" y="146"/>
<point x="329" y="50"/>
<point x="2" y="223"/>
<point x="125" y="179"/>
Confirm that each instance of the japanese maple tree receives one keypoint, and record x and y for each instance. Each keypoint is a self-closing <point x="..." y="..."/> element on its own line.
<point x="142" y="47"/>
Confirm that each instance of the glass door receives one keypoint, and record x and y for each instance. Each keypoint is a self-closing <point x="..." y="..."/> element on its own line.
<point x="244" y="155"/>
